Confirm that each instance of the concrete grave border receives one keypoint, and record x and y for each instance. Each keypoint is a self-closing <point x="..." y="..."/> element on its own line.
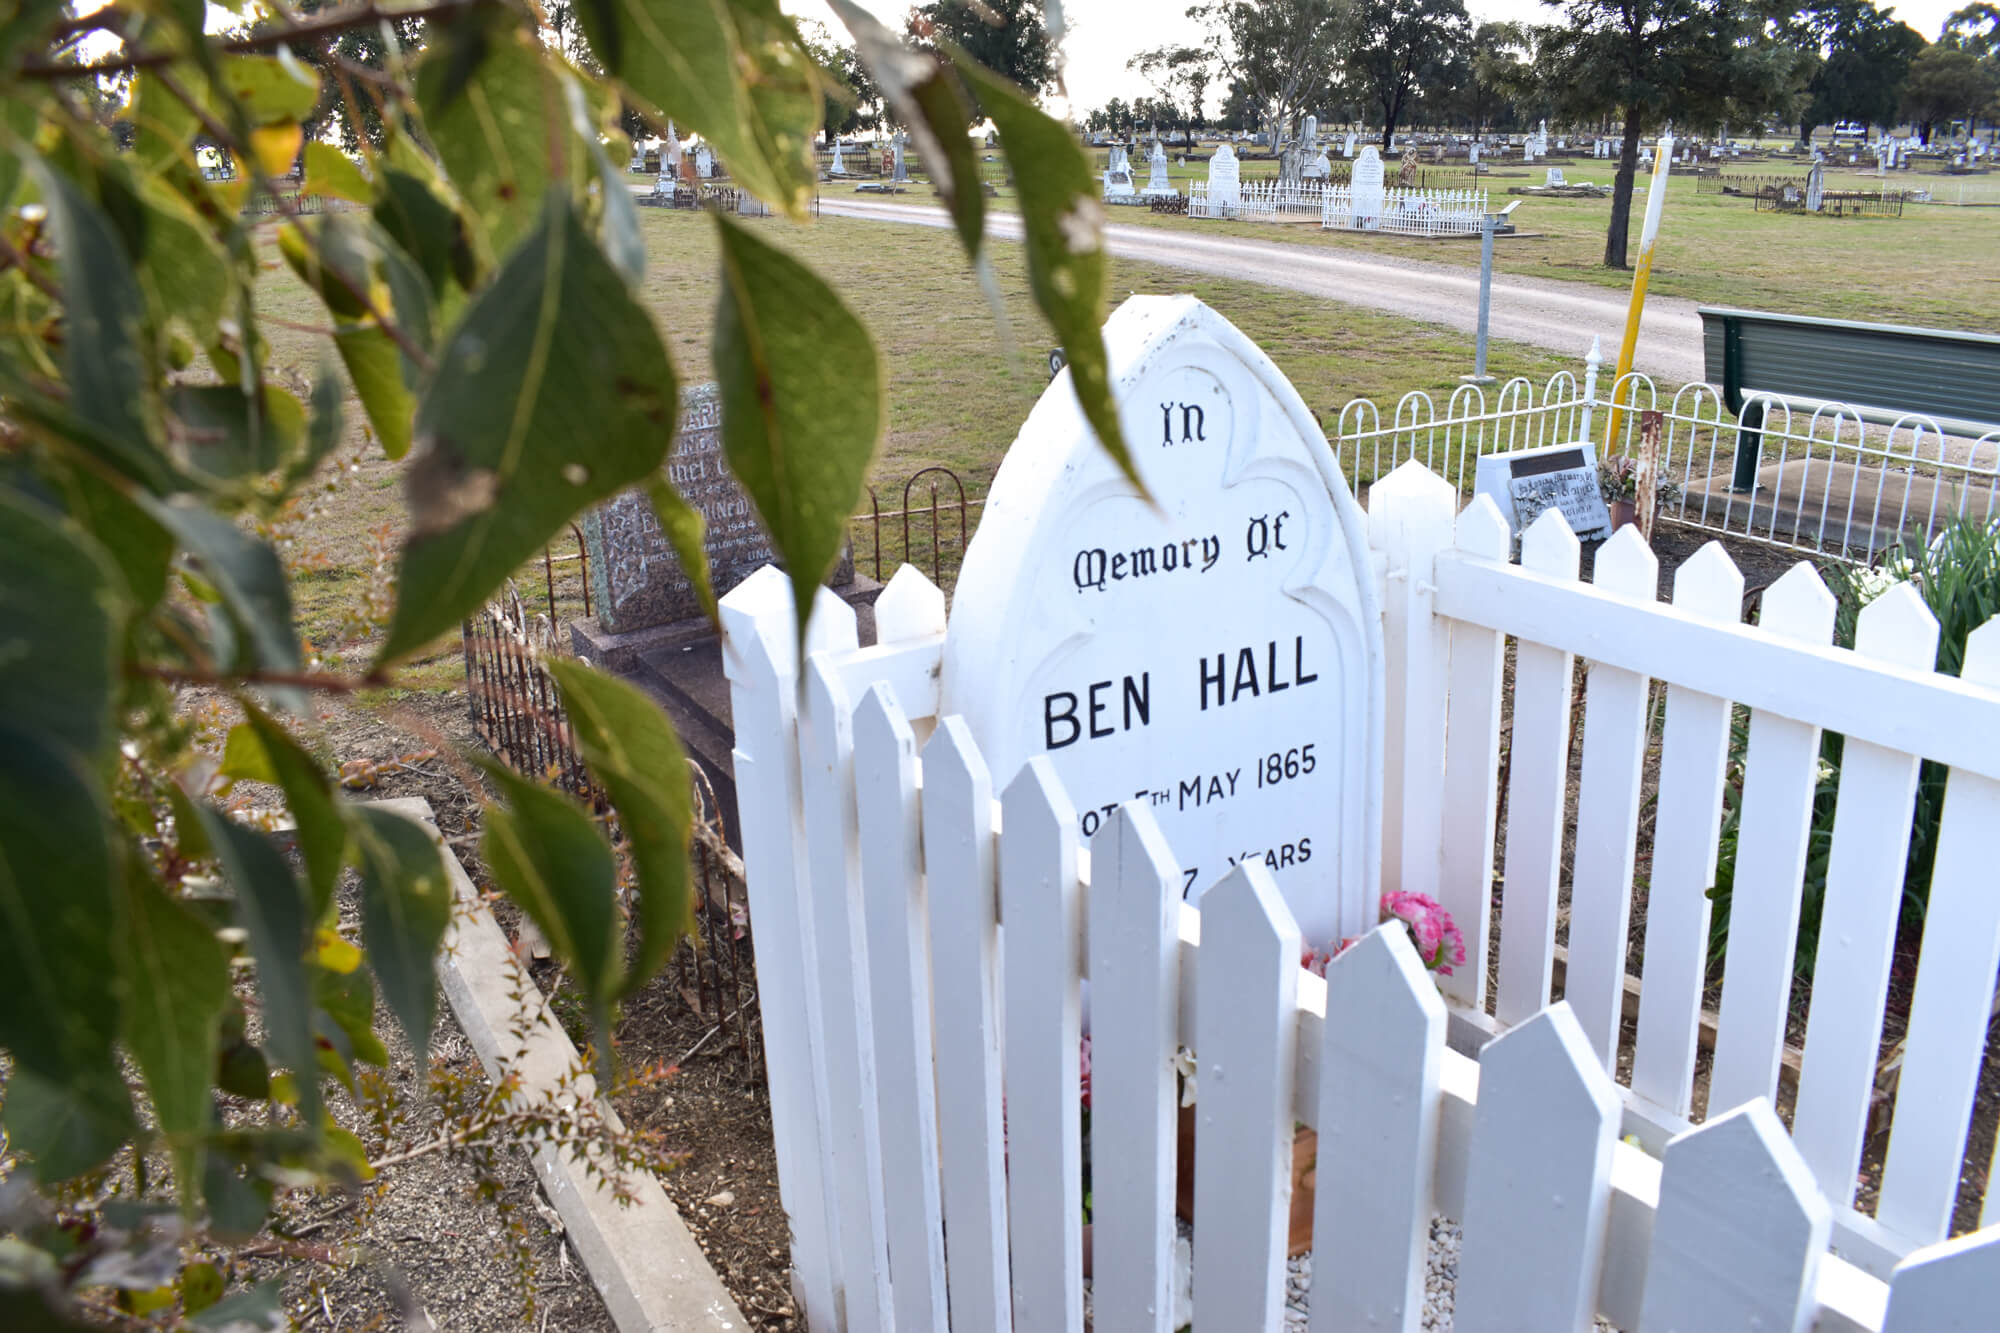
<point x="641" y="1258"/>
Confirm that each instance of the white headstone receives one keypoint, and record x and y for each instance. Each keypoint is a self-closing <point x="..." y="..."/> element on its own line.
<point x="1309" y="136"/>
<point x="1118" y="175"/>
<point x="1215" y="653"/>
<point x="1224" y="187"/>
<point x="1367" y="183"/>
<point x="902" y="170"/>
<point x="1318" y="169"/>
<point x="839" y="167"/>
<point x="1156" y="174"/>
<point x="704" y="162"/>
<point x="670" y="152"/>
<point x="1347" y="148"/>
<point x="1555" y="177"/>
<point x="1472" y="154"/>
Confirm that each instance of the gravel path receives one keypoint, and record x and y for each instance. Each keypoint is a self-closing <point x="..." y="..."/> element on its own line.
<point x="1561" y="316"/>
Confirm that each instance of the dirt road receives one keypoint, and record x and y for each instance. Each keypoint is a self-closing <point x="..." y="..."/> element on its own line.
<point x="1557" y="315"/>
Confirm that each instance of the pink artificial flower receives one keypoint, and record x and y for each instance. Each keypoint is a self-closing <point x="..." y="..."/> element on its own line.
<point x="1437" y="937"/>
<point x="1083" y="1060"/>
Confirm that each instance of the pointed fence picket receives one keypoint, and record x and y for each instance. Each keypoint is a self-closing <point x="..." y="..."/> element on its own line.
<point x="1610" y="783"/>
<point x="880" y="878"/>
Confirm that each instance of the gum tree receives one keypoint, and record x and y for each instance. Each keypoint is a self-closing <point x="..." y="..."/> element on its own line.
<point x="171" y="995"/>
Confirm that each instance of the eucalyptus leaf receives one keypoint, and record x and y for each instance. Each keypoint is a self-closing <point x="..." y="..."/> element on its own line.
<point x="622" y="242"/>
<point x="70" y="1125"/>
<point x="141" y="548"/>
<point x="630" y="747"/>
<point x="176" y="979"/>
<point x="272" y="910"/>
<point x="59" y="629"/>
<point x="545" y="852"/>
<point x="104" y="312"/>
<point x="406" y="904"/>
<point x="269" y="89"/>
<point x="245" y="571"/>
<point x="554" y="393"/>
<point x="230" y="436"/>
<point x="684" y="527"/>
<point x="331" y="174"/>
<point x="493" y="125"/>
<point x="1063" y="224"/>
<point x="58" y="913"/>
<point x="322" y="833"/>
<point x="801" y="403"/>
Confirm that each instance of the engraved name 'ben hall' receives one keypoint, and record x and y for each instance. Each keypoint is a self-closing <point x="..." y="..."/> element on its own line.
<point x="1105" y="708"/>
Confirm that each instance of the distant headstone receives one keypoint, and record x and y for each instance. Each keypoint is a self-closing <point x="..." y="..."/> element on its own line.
<point x="1213" y="653"/>
<point x="1555" y="177"/>
<point x="1347" y="146"/>
<point x="1156" y="172"/>
<point x="670" y="152"/>
<point x="1524" y="482"/>
<point x="704" y="162"/>
<point x="1472" y="154"/>
<point x="1367" y="186"/>
<point x="636" y="581"/>
<point x="1118" y="176"/>
<point x="1406" y="170"/>
<point x="1318" y="169"/>
<point x="839" y="167"/>
<point x="1225" y="189"/>
<point x="1815" y="187"/>
<point x="1309" y="136"/>
<point x="902" y="170"/>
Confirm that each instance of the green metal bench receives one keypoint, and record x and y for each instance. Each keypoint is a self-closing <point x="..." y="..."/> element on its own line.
<point x="1890" y="369"/>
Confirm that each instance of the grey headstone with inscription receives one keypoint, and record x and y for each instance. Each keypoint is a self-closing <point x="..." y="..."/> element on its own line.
<point x="636" y="580"/>
<point x="1524" y="482"/>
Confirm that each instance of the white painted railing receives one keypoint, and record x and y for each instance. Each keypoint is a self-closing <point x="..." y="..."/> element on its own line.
<point x="879" y="878"/>
<point x="1260" y="200"/>
<point x="1411" y="212"/>
<point x="1834" y="480"/>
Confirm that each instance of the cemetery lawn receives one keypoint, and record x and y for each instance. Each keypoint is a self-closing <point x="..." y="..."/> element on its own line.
<point x="1934" y="266"/>
<point x="956" y="395"/>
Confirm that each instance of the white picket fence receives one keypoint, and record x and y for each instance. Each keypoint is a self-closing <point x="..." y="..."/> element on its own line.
<point x="924" y="1079"/>
<point x="1260" y="201"/>
<point x="1410" y="212"/>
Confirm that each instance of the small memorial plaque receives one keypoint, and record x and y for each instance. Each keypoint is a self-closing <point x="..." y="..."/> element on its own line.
<point x="1215" y="654"/>
<point x="1561" y="476"/>
<point x="636" y="580"/>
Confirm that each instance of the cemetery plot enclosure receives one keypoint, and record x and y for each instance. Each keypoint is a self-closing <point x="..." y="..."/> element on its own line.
<point x="1836" y="481"/>
<point x="895" y="872"/>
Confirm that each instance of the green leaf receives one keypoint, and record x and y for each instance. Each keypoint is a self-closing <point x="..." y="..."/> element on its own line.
<point x="70" y="1125"/>
<point x="622" y="242"/>
<point x="201" y="1287"/>
<point x="631" y="749"/>
<point x="405" y="908"/>
<point x="553" y="394"/>
<point x="238" y="1200"/>
<point x="26" y="1309"/>
<point x="256" y="1309"/>
<point x="684" y="527"/>
<point x="182" y="271"/>
<point x="141" y="548"/>
<point x="229" y="440"/>
<point x="431" y="232"/>
<point x="737" y="74"/>
<point x="273" y="912"/>
<point x="244" y="570"/>
<point x="493" y="126"/>
<point x="323" y="427"/>
<point x="176" y="978"/>
<point x="270" y="89"/>
<point x="344" y="261"/>
<point x="322" y="834"/>
<point x="801" y="403"/>
<point x="545" y="852"/>
<point x="348" y="999"/>
<point x="331" y="174"/>
<point x="375" y="365"/>
<point x="104" y="312"/>
<point x="58" y="629"/>
<point x="1063" y="223"/>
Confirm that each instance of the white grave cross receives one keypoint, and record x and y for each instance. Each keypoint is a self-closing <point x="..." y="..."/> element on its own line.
<point x="1216" y="654"/>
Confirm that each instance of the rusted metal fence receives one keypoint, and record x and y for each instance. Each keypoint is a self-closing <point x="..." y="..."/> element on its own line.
<point x="929" y="529"/>
<point x="517" y="712"/>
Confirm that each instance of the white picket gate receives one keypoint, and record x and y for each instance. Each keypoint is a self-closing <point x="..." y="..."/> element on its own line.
<point x="924" y="1074"/>
<point x="1411" y="211"/>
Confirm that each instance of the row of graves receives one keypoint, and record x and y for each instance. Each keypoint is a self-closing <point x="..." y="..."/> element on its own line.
<point x="1366" y="202"/>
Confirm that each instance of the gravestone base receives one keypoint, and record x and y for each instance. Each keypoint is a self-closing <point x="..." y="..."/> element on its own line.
<point x="680" y="667"/>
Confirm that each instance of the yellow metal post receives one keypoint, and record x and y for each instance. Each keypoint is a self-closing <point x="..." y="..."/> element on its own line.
<point x="1656" y="200"/>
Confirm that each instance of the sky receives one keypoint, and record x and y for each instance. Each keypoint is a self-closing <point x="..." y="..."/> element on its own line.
<point x="1104" y="34"/>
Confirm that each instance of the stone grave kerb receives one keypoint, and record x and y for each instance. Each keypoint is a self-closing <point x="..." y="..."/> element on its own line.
<point x="1103" y="631"/>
